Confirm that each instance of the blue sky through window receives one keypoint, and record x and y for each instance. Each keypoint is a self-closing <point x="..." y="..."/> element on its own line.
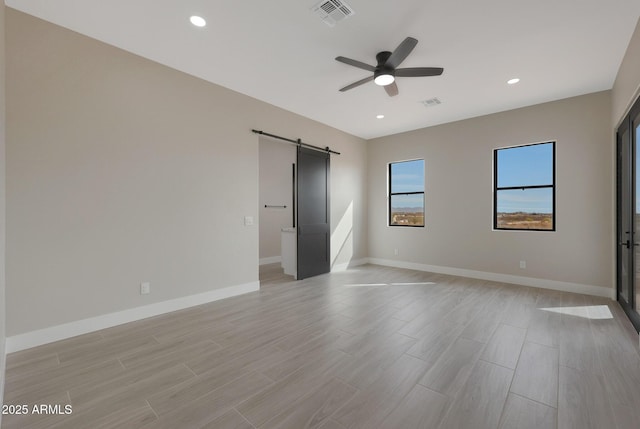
<point x="537" y="200"/>
<point x="525" y="166"/>
<point x="407" y="176"/>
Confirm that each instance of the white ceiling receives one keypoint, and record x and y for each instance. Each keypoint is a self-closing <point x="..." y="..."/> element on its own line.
<point x="280" y="52"/>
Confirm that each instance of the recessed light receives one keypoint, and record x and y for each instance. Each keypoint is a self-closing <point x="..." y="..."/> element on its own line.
<point x="380" y="116"/>
<point x="198" y="21"/>
<point x="513" y="81"/>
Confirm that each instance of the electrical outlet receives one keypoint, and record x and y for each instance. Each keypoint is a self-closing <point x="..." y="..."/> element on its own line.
<point x="145" y="288"/>
<point x="395" y="252"/>
<point x="523" y="264"/>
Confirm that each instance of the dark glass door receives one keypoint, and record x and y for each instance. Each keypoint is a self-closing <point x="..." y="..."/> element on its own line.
<point x="628" y="215"/>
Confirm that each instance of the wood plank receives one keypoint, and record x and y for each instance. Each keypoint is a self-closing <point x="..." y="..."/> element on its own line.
<point x="209" y="407"/>
<point x="129" y="387"/>
<point x="451" y="371"/>
<point x="371" y="406"/>
<point x="365" y="366"/>
<point x="435" y="339"/>
<point x="126" y="418"/>
<point x="544" y="325"/>
<point x="482" y="327"/>
<point x="521" y="309"/>
<point x="582" y="401"/>
<point x="283" y="355"/>
<point x="536" y="376"/>
<point x="313" y="410"/>
<point x="229" y="420"/>
<point x="38" y="385"/>
<point x="522" y="413"/>
<point x="625" y="417"/>
<point x="421" y="408"/>
<point x="504" y="346"/>
<point x="232" y="356"/>
<point x="480" y="403"/>
<point x="183" y="394"/>
<point x="331" y="424"/>
<point x="577" y="346"/>
<point x="318" y="348"/>
<point x="278" y="397"/>
<point x="176" y="351"/>
<point x="22" y="364"/>
<point x="105" y="349"/>
<point x="311" y="332"/>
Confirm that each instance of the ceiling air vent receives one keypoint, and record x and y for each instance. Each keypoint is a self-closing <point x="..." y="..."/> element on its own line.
<point x="431" y="102"/>
<point x="332" y="11"/>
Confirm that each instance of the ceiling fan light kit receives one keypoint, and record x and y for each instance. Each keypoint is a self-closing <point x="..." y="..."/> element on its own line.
<point x="384" y="79"/>
<point x="385" y="72"/>
<point x="198" y="21"/>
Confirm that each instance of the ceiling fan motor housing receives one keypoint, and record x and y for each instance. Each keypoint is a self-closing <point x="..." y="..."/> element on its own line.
<point x="382" y="58"/>
<point x="382" y="69"/>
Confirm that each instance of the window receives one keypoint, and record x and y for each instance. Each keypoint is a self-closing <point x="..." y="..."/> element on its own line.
<point x="406" y="193"/>
<point x="524" y="187"/>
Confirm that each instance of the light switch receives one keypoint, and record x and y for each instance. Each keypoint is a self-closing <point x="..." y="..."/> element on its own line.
<point x="248" y="220"/>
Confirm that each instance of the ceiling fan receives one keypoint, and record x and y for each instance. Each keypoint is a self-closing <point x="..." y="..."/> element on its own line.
<point x="386" y="71"/>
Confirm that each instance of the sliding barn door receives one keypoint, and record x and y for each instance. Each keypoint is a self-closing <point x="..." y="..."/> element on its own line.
<point x="313" y="213"/>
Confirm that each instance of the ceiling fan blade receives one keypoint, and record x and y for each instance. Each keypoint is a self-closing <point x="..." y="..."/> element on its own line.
<point x="419" y="71"/>
<point x="401" y="52"/>
<point x="356" y="63"/>
<point x="392" y="89"/>
<point x="358" y="83"/>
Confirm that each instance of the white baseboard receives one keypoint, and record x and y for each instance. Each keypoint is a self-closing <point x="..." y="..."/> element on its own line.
<point x="346" y="265"/>
<point x="270" y="260"/>
<point x="504" y="278"/>
<point x="67" y="330"/>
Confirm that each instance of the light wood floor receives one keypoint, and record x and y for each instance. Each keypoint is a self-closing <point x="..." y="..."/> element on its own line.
<point x="371" y="347"/>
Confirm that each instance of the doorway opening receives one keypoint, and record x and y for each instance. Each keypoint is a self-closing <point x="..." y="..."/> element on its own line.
<point x="295" y="227"/>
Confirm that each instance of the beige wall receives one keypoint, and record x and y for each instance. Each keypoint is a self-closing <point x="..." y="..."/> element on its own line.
<point x="121" y="171"/>
<point x="626" y="87"/>
<point x="2" y="205"/>
<point x="458" y="159"/>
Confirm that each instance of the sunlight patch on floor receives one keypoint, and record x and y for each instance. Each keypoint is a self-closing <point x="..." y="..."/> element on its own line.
<point x="367" y="285"/>
<point x="388" y="284"/>
<point x="595" y="312"/>
<point x="412" y="284"/>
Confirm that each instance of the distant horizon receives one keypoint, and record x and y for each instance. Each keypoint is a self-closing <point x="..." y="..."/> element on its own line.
<point x="524" y="166"/>
<point x="525" y="212"/>
<point x="407" y="209"/>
